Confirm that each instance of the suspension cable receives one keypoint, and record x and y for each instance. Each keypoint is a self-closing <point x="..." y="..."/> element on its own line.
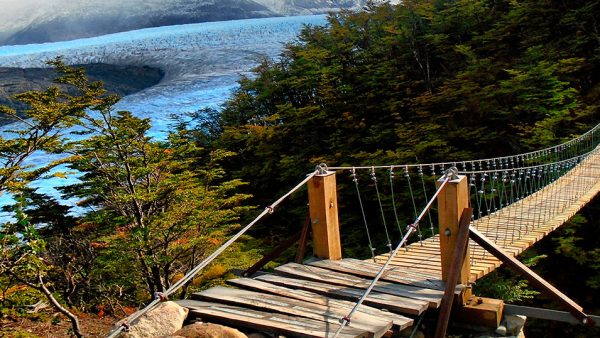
<point x="410" y="229"/>
<point x="514" y="159"/>
<point x="158" y="297"/>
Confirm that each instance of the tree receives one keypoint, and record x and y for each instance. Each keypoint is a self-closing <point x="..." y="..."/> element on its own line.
<point x="164" y="202"/>
<point x="23" y="252"/>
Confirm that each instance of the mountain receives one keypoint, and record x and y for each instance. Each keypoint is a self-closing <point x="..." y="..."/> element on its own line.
<point x="31" y="21"/>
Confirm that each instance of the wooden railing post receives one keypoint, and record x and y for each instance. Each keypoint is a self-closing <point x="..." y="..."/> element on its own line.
<point x="322" y="199"/>
<point x="451" y="203"/>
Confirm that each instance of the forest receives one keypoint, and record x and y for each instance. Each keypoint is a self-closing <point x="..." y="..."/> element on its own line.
<point x="422" y="81"/>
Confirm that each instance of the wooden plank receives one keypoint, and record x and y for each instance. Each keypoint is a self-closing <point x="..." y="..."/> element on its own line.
<point x="433" y="297"/>
<point x="376" y="299"/>
<point x="269" y="322"/>
<point x="322" y="200"/>
<point x="531" y="276"/>
<point x="370" y="270"/>
<point x="400" y="322"/>
<point x="460" y="252"/>
<point x="376" y="327"/>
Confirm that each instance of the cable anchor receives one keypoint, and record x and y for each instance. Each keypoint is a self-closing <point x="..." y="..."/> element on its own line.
<point x="321" y="169"/>
<point x="452" y="173"/>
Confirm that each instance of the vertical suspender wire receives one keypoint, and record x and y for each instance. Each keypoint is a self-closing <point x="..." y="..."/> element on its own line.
<point x="409" y="231"/>
<point x="426" y="198"/>
<point x="483" y="179"/>
<point x="362" y="210"/>
<point x="412" y="197"/>
<point x="394" y="201"/>
<point x="387" y="234"/>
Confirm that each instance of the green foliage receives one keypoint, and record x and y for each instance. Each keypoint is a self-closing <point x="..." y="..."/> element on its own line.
<point x="155" y="208"/>
<point x="418" y="82"/>
<point x="503" y="284"/>
<point x="510" y="290"/>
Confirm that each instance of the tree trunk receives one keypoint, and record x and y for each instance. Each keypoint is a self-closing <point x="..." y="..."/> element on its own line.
<point x="157" y="279"/>
<point x="74" y="321"/>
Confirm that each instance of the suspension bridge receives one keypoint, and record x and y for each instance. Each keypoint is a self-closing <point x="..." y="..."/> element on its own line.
<point x="432" y="230"/>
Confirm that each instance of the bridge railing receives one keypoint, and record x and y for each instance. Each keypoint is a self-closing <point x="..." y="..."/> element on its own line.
<point x="383" y="199"/>
<point x="392" y="197"/>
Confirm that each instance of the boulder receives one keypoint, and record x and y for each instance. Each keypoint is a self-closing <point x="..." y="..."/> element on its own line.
<point x="514" y="324"/>
<point x="501" y="330"/>
<point x="161" y="321"/>
<point x="208" y="330"/>
<point x="258" y="335"/>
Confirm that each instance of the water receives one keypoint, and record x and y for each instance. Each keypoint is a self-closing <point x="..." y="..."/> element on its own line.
<point x="202" y="63"/>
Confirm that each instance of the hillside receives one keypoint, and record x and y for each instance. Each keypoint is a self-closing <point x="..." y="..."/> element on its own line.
<point x="30" y="22"/>
<point x="121" y="80"/>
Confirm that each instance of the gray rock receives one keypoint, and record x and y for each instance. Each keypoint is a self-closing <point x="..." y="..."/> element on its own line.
<point x="209" y="330"/>
<point x="501" y="330"/>
<point x="258" y="335"/>
<point x="161" y="321"/>
<point x="514" y="324"/>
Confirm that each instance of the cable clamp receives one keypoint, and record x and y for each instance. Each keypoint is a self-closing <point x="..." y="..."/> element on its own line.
<point x="452" y="173"/>
<point x="270" y="209"/>
<point x="125" y="326"/>
<point x="345" y="318"/>
<point x="412" y="226"/>
<point x="159" y="295"/>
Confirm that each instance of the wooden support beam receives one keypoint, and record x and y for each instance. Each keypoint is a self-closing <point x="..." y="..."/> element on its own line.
<point x="458" y="257"/>
<point x="480" y="311"/>
<point x="451" y="203"/>
<point x="532" y="277"/>
<point x="301" y="237"/>
<point x="273" y="254"/>
<point x="323" y="205"/>
<point x="303" y="240"/>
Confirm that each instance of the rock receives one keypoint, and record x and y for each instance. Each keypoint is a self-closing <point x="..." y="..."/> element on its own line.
<point x="161" y="321"/>
<point x="258" y="335"/>
<point x="121" y="80"/>
<point x="501" y="330"/>
<point x="209" y="330"/>
<point x="514" y="324"/>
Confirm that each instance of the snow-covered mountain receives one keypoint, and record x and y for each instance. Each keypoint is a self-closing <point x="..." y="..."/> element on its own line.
<point x="34" y="21"/>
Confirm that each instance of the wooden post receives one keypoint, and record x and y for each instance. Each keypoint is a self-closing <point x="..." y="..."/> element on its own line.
<point x="462" y="239"/>
<point x="451" y="203"/>
<point x="322" y="200"/>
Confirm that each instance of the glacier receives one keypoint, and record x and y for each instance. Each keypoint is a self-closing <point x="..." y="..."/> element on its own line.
<point x="202" y="64"/>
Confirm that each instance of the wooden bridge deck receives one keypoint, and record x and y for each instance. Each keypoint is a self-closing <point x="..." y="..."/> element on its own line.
<point x="309" y="300"/>
<point x="516" y="227"/>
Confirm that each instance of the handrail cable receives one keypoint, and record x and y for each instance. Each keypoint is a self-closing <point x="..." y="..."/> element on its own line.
<point x="531" y="154"/>
<point x="158" y="297"/>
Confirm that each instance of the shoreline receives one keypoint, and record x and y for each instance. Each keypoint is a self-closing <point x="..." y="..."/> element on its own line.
<point x="122" y="80"/>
